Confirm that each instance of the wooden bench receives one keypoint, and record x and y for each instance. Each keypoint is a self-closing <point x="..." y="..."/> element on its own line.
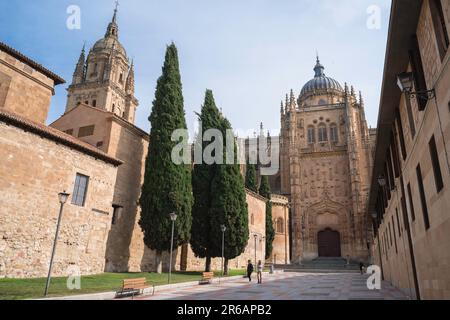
<point x="207" y="277"/>
<point x="134" y="287"/>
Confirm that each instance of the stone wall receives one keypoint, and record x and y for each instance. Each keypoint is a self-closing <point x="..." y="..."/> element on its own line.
<point x="33" y="170"/>
<point x="24" y="90"/>
<point x="143" y="259"/>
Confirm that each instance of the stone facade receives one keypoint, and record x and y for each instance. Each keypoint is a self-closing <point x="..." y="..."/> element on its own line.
<point x="281" y="224"/>
<point x="37" y="163"/>
<point x="410" y="212"/>
<point x="325" y="164"/>
<point x="26" y="87"/>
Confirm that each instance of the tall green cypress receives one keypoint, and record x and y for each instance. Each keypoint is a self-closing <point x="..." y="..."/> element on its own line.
<point x="250" y="178"/>
<point x="202" y="177"/>
<point x="229" y="207"/>
<point x="167" y="186"/>
<point x="265" y="191"/>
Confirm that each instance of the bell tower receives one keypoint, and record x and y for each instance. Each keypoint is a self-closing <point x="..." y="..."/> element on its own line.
<point x="105" y="79"/>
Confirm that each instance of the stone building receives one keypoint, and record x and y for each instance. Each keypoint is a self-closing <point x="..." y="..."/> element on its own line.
<point x="36" y="164"/>
<point x="410" y="188"/>
<point x="26" y="87"/>
<point x="325" y="166"/>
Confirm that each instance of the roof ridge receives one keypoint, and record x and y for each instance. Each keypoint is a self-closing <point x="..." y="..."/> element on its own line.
<point x="56" y="135"/>
<point x="20" y="56"/>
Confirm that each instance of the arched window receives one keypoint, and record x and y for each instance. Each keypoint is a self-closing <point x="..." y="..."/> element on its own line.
<point x="323" y="136"/>
<point x="280" y="225"/>
<point x="334" y="137"/>
<point x="311" y="135"/>
<point x="114" y="108"/>
<point x="94" y="103"/>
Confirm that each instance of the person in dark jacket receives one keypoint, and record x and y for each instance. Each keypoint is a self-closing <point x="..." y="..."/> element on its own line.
<point x="250" y="270"/>
<point x="361" y="267"/>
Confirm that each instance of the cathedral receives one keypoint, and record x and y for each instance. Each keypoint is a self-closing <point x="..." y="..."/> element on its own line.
<point x="325" y="164"/>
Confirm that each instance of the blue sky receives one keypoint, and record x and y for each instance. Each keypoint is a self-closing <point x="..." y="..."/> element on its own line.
<point x="249" y="52"/>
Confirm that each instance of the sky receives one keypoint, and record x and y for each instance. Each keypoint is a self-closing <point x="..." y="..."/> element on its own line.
<point x="249" y="52"/>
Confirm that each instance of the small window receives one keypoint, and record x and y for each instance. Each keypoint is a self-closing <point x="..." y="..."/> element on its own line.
<point x="94" y="103"/>
<point x="69" y="132"/>
<point x="252" y="219"/>
<point x="280" y="226"/>
<point x="116" y="214"/>
<point x="80" y="190"/>
<point x="411" y="203"/>
<point x="323" y="136"/>
<point x="99" y="144"/>
<point x="121" y="78"/>
<point x="423" y="199"/>
<point x="86" y="102"/>
<point x="334" y="134"/>
<point x="311" y="135"/>
<point x="436" y="165"/>
<point x="86" y="131"/>
<point x="114" y="108"/>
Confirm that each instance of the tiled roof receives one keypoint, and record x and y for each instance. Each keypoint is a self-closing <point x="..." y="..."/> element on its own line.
<point x="18" y="55"/>
<point x="56" y="136"/>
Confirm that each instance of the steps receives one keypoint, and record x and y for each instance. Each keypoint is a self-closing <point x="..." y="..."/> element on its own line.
<point x="322" y="265"/>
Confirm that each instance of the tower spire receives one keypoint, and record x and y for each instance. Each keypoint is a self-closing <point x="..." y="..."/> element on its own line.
<point x="129" y="86"/>
<point x="113" y="27"/>
<point x="79" y="73"/>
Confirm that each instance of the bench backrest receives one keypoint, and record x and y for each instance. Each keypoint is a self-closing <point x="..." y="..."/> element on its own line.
<point x="131" y="283"/>
<point x="208" y="274"/>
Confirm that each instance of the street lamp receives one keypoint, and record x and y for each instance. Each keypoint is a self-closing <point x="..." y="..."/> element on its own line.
<point x="223" y="228"/>
<point x="405" y="82"/>
<point x="173" y="218"/>
<point x="256" y="237"/>
<point x="63" y="196"/>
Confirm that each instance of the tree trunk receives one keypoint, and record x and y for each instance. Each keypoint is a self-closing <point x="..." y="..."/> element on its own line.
<point x="225" y="267"/>
<point x="208" y="264"/>
<point x="158" y="259"/>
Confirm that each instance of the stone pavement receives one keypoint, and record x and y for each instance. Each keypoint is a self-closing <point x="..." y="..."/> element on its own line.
<point x="286" y="286"/>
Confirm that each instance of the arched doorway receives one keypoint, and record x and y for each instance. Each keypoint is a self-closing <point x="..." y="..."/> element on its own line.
<point x="329" y="243"/>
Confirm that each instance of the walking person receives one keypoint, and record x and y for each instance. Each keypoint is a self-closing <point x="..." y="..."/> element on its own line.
<point x="250" y="270"/>
<point x="260" y="271"/>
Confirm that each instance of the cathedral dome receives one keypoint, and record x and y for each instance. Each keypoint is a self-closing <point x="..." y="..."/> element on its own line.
<point x="320" y="82"/>
<point x="109" y="43"/>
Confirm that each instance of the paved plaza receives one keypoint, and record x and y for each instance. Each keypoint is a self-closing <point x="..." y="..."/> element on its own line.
<point x="286" y="286"/>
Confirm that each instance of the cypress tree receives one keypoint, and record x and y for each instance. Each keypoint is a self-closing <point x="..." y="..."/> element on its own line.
<point x="265" y="191"/>
<point x="228" y="207"/>
<point x="250" y="178"/>
<point x="167" y="186"/>
<point x="202" y="177"/>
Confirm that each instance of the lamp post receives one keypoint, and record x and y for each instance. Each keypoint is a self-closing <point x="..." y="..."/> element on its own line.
<point x="223" y="228"/>
<point x="63" y="196"/>
<point x="263" y="244"/>
<point x="256" y="237"/>
<point x="173" y="217"/>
